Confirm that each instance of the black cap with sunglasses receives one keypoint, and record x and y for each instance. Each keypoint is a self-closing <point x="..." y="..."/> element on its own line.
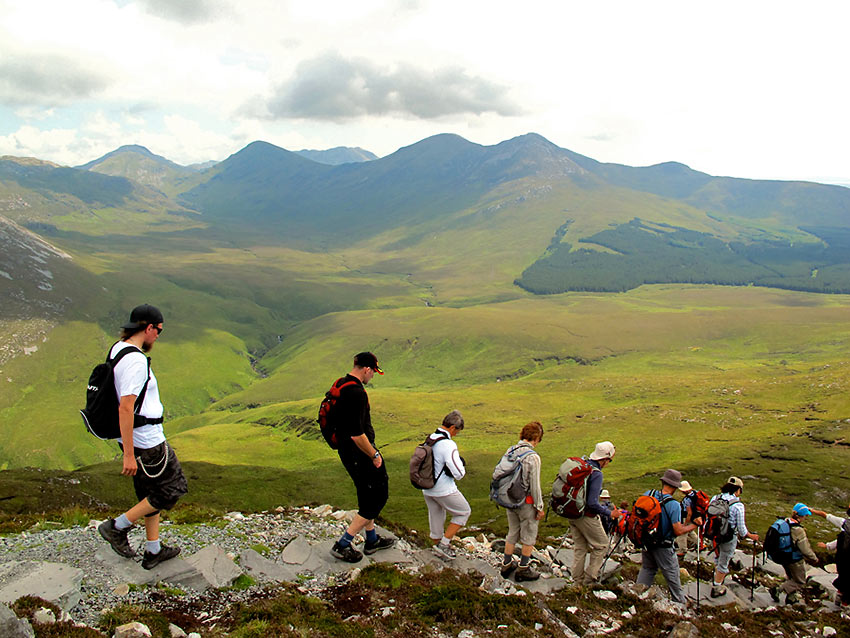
<point x="143" y="315"/>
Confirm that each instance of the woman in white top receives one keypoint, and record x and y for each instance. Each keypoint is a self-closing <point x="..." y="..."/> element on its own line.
<point x="445" y="497"/>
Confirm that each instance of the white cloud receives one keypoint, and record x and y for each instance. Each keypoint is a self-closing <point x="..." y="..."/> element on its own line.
<point x="752" y="89"/>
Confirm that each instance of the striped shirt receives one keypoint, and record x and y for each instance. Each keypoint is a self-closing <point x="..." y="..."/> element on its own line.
<point x="737" y="514"/>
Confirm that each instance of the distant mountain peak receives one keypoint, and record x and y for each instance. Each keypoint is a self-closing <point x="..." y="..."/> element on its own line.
<point x="130" y="149"/>
<point x="338" y="155"/>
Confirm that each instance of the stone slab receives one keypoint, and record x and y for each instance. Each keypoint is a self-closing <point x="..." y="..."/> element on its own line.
<point x="391" y="555"/>
<point x="175" y="571"/>
<point x="264" y="570"/>
<point x="544" y="585"/>
<point x="297" y="552"/>
<point x="218" y="569"/>
<point x="54" y="582"/>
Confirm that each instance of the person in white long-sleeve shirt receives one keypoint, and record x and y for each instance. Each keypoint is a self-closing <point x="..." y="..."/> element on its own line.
<point x="445" y="497"/>
<point x="842" y="558"/>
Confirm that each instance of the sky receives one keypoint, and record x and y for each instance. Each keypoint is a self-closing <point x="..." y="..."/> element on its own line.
<point x="747" y="89"/>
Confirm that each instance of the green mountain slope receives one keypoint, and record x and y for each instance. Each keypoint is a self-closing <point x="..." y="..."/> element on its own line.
<point x="790" y="203"/>
<point x="45" y="197"/>
<point x="140" y="165"/>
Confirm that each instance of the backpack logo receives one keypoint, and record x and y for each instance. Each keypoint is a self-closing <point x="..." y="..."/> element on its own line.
<point x="643" y="526"/>
<point x="100" y="416"/>
<point x="506" y="488"/>
<point x="779" y="545"/>
<point x="718" y="525"/>
<point x="422" y="473"/>
<point x="569" y="490"/>
<point x="326" y="420"/>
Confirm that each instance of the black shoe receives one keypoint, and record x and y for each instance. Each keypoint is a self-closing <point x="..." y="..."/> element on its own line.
<point x="380" y="543"/>
<point x="117" y="538"/>
<point x="347" y="553"/>
<point x="149" y="561"/>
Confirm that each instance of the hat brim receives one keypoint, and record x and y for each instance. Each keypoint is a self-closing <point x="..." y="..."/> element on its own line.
<point x="672" y="483"/>
<point x="377" y="369"/>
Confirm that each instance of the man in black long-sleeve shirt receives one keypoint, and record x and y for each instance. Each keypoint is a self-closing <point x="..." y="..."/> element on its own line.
<point x="361" y="458"/>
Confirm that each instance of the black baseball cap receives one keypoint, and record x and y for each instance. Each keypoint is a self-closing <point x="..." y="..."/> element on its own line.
<point x="142" y="316"/>
<point x="367" y="360"/>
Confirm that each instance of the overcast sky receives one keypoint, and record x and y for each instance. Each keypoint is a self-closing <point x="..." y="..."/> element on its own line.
<point x="744" y="88"/>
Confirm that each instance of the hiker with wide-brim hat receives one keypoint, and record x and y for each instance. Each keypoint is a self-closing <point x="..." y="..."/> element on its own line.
<point x="662" y="556"/>
<point x="691" y="539"/>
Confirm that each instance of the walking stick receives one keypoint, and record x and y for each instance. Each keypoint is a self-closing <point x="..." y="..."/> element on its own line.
<point x="613" y="549"/>
<point x="753" y="575"/>
<point x="699" y="555"/>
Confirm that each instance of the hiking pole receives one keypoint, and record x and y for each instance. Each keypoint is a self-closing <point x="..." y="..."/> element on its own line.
<point x="610" y="553"/>
<point x="699" y="555"/>
<point x="753" y="575"/>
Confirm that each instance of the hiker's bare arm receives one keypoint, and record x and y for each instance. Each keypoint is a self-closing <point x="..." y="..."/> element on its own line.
<point x="126" y="410"/>
<point x="362" y="442"/>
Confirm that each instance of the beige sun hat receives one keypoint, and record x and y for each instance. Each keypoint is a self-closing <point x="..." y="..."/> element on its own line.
<point x="685" y="486"/>
<point x="604" y="450"/>
<point x="604" y="494"/>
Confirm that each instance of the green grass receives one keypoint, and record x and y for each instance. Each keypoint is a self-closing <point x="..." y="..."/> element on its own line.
<point x="712" y="381"/>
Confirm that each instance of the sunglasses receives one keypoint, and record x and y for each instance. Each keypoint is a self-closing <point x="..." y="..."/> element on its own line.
<point x="157" y="328"/>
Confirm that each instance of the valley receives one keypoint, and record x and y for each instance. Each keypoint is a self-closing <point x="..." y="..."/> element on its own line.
<point x="272" y="271"/>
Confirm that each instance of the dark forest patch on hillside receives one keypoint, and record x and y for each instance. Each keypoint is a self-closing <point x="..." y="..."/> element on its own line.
<point x="665" y="254"/>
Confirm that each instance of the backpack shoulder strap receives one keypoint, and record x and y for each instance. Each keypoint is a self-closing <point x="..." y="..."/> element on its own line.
<point x="114" y="362"/>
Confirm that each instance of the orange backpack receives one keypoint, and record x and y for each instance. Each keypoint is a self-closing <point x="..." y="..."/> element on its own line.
<point x="644" y="523"/>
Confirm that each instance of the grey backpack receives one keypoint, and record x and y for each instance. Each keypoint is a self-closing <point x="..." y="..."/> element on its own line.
<point x="506" y="488"/>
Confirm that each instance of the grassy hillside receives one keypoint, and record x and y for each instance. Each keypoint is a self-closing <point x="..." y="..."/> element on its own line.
<point x="713" y="381"/>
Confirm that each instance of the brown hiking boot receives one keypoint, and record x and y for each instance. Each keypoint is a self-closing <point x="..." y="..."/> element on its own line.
<point x="525" y="573"/>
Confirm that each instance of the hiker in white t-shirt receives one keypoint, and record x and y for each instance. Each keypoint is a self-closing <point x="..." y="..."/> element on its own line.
<point x="445" y="497"/>
<point x="158" y="479"/>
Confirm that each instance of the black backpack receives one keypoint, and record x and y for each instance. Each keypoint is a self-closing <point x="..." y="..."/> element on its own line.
<point x="100" y="416"/>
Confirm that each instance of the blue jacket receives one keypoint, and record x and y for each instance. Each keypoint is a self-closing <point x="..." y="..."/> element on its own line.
<point x="594" y="488"/>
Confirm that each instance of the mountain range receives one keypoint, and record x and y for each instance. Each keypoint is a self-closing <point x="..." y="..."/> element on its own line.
<point x="446" y="256"/>
<point x="595" y="226"/>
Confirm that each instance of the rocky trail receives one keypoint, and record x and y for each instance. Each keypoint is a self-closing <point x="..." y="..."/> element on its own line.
<point x="242" y="558"/>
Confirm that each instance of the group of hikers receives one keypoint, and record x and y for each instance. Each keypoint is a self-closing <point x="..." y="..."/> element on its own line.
<point x="659" y="525"/>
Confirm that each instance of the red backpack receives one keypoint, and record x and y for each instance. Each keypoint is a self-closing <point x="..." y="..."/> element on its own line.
<point x="325" y="419"/>
<point x="644" y="523"/>
<point x="699" y="503"/>
<point x="569" y="490"/>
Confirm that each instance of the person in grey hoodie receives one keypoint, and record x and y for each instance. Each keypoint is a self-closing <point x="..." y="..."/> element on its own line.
<point x="523" y="521"/>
